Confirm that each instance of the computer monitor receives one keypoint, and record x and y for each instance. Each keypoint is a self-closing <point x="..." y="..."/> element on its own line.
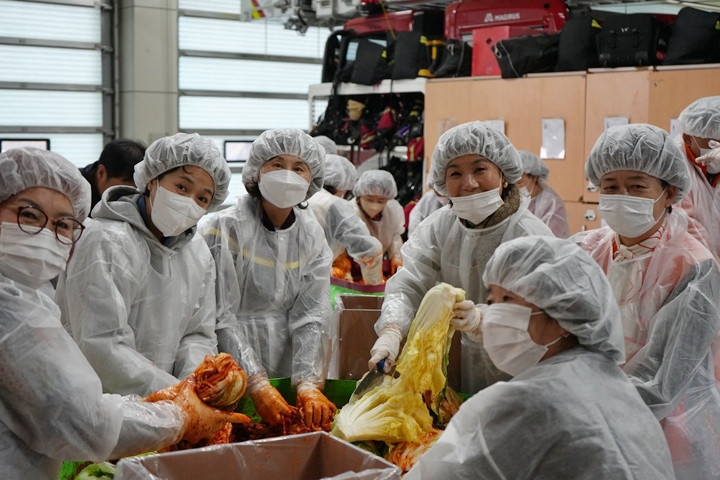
<point x="8" y="143"/>
<point x="237" y="150"/>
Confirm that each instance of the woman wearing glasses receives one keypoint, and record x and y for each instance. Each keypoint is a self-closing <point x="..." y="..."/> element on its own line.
<point x="52" y="407"/>
<point x="139" y="294"/>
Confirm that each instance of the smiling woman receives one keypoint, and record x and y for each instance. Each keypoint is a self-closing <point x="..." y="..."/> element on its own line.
<point x="37" y="207"/>
<point x="666" y="283"/>
<point x="42" y="197"/>
<point x="288" y="162"/>
<point x="178" y="199"/>
<point x="39" y="217"/>
<point x="273" y="277"/>
<point x="477" y="167"/>
<point x="634" y="204"/>
<point x="470" y="174"/>
<point x="138" y="295"/>
<point x="474" y="185"/>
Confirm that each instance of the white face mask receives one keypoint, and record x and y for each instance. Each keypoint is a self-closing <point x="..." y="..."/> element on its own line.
<point x="507" y="340"/>
<point x="478" y="207"/>
<point x="283" y="188"/>
<point x="172" y="214"/>
<point x="628" y="216"/>
<point x="32" y="260"/>
<point x="371" y="208"/>
<point x="524" y="192"/>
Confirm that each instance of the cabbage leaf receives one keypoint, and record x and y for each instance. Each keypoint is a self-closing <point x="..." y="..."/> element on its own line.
<point x="403" y="409"/>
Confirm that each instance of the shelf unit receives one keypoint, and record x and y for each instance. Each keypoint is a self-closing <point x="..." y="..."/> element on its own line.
<point x="324" y="90"/>
<point x="386" y="86"/>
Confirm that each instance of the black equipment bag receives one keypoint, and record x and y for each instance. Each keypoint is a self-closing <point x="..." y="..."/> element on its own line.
<point x="695" y="38"/>
<point x="577" y="49"/>
<point x="334" y="56"/>
<point x="334" y="117"/>
<point x="632" y="40"/>
<point x="457" y="60"/>
<point x="371" y="65"/>
<point x="410" y="55"/>
<point x="430" y="23"/>
<point x="529" y="54"/>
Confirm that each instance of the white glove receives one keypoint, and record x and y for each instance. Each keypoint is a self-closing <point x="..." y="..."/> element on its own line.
<point x="712" y="159"/>
<point x="467" y="316"/>
<point x="373" y="276"/>
<point x="371" y="269"/>
<point x="386" y="346"/>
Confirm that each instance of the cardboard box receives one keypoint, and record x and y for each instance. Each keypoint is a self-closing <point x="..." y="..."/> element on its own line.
<point x="356" y="333"/>
<point x="312" y="456"/>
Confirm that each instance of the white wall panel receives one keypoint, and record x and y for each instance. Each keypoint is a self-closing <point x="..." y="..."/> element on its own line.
<point x="50" y="65"/>
<point x="49" y="22"/>
<point x="49" y="108"/>
<point x="259" y="37"/>
<point x="242" y="113"/>
<point x="198" y="73"/>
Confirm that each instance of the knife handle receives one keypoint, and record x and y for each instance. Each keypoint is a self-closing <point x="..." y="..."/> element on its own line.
<point x="381" y="365"/>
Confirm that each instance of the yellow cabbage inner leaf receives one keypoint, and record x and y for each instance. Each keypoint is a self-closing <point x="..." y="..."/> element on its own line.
<point x="395" y="411"/>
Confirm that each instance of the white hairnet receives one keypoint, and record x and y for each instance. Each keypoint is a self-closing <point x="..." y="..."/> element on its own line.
<point x="533" y="165"/>
<point x="182" y="149"/>
<point x="376" y="182"/>
<point x="702" y="118"/>
<point x="285" y="141"/>
<point x="642" y="148"/>
<point x="566" y="283"/>
<point x="340" y="173"/>
<point x="474" y="138"/>
<point x="23" y="168"/>
<point x="328" y="145"/>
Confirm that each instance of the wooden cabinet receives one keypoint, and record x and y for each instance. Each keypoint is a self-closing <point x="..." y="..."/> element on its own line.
<point x="655" y="96"/>
<point x="521" y="104"/>
<point x="672" y="89"/>
<point x="447" y="104"/>
<point x="583" y="100"/>
<point x="582" y="216"/>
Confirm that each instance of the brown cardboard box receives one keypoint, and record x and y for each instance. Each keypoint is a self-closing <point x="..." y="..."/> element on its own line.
<point x="357" y="317"/>
<point x="358" y="314"/>
<point x="310" y="456"/>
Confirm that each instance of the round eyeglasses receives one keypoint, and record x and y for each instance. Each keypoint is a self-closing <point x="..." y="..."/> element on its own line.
<point x="32" y="220"/>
